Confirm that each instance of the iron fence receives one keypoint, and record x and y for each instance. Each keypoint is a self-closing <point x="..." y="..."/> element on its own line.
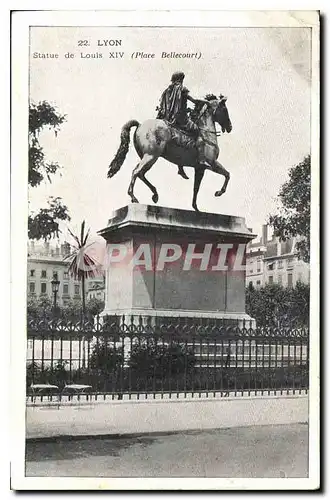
<point x="135" y="357"/>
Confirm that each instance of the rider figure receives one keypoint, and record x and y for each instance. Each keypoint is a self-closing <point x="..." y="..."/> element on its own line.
<point x="173" y="109"/>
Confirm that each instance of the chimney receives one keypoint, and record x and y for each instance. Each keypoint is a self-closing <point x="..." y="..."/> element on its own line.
<point x="264" y="237"/>
<point x="46" y="247"/>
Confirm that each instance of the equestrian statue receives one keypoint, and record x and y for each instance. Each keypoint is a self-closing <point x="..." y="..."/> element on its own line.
<point x="182" y="136"/>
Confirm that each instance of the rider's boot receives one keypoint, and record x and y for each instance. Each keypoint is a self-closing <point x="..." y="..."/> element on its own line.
<point x="182" y="172"/>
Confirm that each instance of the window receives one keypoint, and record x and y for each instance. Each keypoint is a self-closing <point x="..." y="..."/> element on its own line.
<point x="43" y="287"/>
<point x="258" y="282"/>
<point x="279" y="279"/>
<point x="65" y="289"/>
<point x="280" y="264"/>
<point x="270" y="279"/>
<point x="271" y="266"/>
<point x="76" y="289"/>
<point x="258" y="266"/>
<point x="66" y="275"/>
<point x="290" y="281"/>
<point x="32" y="273"/>
<point x="32" y="287"/>
<point x="44" y="273"/>
<point x="290" y="263"/>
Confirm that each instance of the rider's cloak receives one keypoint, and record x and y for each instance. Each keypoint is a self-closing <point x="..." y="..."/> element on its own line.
<point x="173" y="103"/>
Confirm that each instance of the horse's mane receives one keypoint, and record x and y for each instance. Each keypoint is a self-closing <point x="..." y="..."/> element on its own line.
<point x="210" y="97"/>
<point x="197" y="109"/>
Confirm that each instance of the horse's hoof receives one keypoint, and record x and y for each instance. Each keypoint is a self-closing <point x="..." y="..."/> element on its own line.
<point x="155" y="198"/>
<point x="183" y="175"/>
<point x="195" y="208"/>
<point x="218" y="193"/>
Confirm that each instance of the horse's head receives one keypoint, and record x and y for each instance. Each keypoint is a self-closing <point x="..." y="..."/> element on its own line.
<point x="220" y="111"/>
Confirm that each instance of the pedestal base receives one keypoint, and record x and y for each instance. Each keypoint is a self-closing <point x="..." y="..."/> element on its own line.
<point x="167" y="263"/>
<point x="154" y="317"/>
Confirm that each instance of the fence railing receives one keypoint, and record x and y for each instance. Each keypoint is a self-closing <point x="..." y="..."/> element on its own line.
<point x="139" y="357"/>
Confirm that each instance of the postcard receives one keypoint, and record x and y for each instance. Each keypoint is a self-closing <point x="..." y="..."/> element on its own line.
<point x="165" y="274"/>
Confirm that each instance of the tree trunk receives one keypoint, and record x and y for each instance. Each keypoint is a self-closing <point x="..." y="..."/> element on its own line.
<point x="84" y="312"/>
<point x="83" y="295"/>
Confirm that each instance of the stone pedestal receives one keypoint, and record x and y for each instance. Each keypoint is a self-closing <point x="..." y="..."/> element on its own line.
<point x="165" y="262"/>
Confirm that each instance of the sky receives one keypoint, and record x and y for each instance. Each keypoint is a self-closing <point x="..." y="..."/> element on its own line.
<point x="264" y="72"/>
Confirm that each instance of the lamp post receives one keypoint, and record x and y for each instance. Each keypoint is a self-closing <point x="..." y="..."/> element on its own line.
<point x="55" y="287"/>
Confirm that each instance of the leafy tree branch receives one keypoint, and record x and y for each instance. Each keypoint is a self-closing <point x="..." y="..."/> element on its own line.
<point x="45" y="223"/>
<point x="293" y="217"/>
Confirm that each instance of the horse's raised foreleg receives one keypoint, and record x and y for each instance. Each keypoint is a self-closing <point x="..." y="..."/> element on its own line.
<point x="219" y="169"/>
<point x="199" y="174"/>
<point x="150" y="186"/>
<point x="141" y="168"/>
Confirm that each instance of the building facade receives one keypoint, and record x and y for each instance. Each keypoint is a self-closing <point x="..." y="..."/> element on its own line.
<point x="273" y="261"/>
<point x="96" y="291"/>
<point x="45" y="261"/>
<point x="282" y="266"/>
<point x="255" y="260"/>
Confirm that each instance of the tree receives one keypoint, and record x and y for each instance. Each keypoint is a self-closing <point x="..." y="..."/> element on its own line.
<point x="45" y="223"/>
<point x="105" y="358"/>
<point x="73" y="309"/>
<point x="150" y="358"/>
<point x="268" y="305"/>
<point x="273" y="305"/>
<point x="43" y="309"/>
<point x="300" y="303"/>
<point x="293" y="219"/>
<point x="82" y="265"/>
<point x="94" y="306"/>
<point x="39" y="309"/>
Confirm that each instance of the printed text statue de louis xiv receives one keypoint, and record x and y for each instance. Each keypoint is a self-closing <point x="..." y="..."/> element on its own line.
<point x="181" y="136"/>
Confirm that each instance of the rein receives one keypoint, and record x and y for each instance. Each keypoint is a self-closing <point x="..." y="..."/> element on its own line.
<point x="217" y="134"/>
<point x="210" y="131"/>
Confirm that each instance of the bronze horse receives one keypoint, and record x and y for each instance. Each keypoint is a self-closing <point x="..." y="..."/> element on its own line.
<point x="153" y="139"/>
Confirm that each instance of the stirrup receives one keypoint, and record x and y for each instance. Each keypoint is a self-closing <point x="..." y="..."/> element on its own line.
<point x="204" y="163"/>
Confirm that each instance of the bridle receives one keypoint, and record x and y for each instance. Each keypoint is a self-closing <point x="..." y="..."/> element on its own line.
<point x="202" y="111"/>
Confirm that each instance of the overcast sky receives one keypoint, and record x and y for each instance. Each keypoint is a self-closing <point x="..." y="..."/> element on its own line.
<point x="265" y="72"/>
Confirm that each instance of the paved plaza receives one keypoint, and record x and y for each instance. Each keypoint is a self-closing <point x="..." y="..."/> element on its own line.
<point x="270" y="451"/>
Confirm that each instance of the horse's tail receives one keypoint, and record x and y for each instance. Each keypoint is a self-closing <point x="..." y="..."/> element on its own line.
<point x="123" y="148"/>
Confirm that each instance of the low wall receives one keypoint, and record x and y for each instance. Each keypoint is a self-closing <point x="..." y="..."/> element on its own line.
<point x="139" y="417"/>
